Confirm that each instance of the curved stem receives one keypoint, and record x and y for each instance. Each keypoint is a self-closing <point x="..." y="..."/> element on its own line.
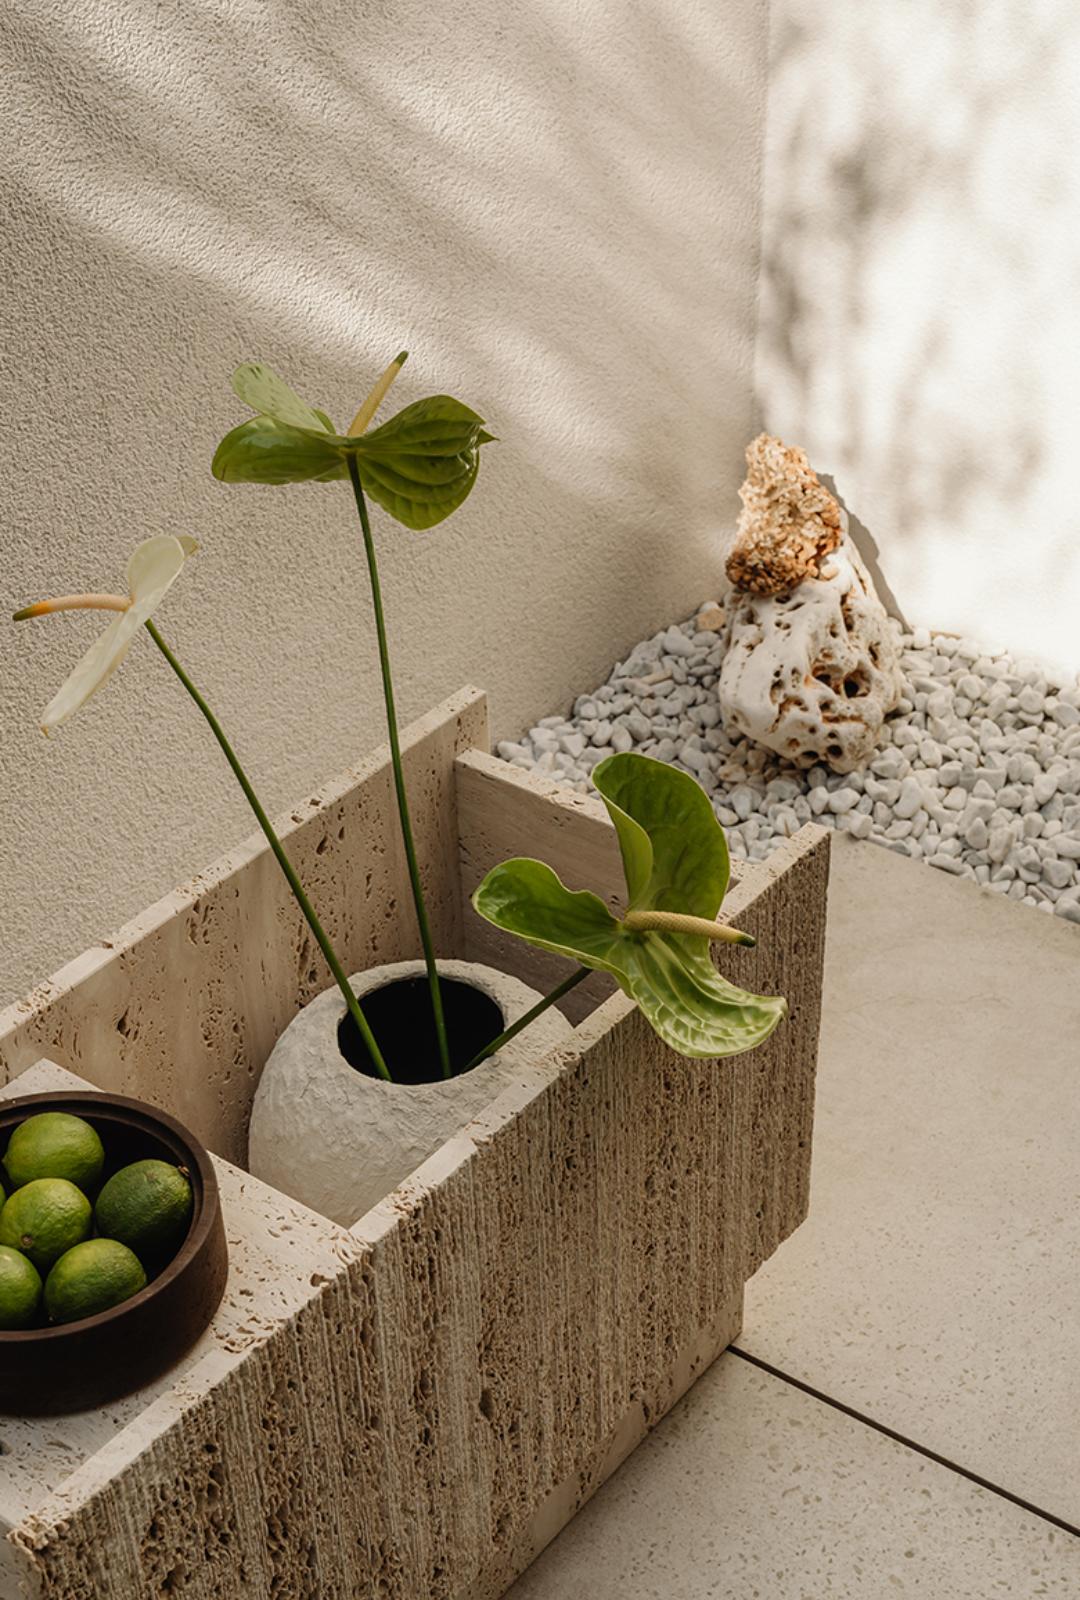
<point x="530" y="1016"/>
<point x="399" y="776"/>
<point x="283" y="860"/>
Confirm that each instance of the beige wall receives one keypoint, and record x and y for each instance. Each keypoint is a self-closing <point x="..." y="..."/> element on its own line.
<point x="921" y="296"/>
<point x="555" y="207"/>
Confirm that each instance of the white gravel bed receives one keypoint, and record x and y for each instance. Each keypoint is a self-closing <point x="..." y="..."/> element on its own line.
<point x="977" y="771"/>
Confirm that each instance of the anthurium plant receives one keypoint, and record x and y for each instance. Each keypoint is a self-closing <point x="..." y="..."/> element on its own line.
<point x="676" y="864"/>
<point x="420" y="467"/>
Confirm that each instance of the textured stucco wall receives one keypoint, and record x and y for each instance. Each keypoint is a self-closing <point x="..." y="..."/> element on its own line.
<point x="921" y="296"/>
<point x="555" y="207"/>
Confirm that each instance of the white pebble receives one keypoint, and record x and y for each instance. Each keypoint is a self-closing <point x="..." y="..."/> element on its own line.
<point x="857" y="823"/>
<point x="910" y="800"/>
<point x="696" y="760"/>
<point x="1044" y="787"/>
<point x="743" y="802"/>
<point x="842" y="800"/>
<point x="945" y="863"/>
<point x="677" y="644"/>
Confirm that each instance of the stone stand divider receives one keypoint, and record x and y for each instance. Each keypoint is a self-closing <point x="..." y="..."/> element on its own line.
<point x="415" y="1406"/>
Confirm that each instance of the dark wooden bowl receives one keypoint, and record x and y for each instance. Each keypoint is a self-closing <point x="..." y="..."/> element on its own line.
<point x="81" y="1365"/>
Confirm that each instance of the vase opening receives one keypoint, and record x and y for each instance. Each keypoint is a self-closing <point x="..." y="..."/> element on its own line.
<point x="400" y="1017"/>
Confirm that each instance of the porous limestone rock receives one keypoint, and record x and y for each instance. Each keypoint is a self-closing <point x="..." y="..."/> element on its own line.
<point x="809" y="670"/>
<point x="789" y="522"/>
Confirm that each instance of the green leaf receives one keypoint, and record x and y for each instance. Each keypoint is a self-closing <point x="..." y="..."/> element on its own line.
<point x="265" y="451"/>
<point x="529" y="899"/>
<point x="410" y="499"/>
<point x="675" y="858"/>
<point x="264" y="391"/>
<point x="439" y="425"/>
<point x="671" y="977"/>
<point x="421" y="465"/>
<point x="674" y="852"/>
<point x="688" y="1003"/>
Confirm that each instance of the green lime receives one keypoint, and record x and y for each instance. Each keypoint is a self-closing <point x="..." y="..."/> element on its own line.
<point x="54" y="1145"/>
<point x="147" y="1206"/>
<point x="44" y="1218"/>
<point x="20" y="1289"/>
<point x="92" y="1277"/>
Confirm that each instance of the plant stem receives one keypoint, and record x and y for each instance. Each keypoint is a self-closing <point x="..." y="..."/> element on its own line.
<point x="399" y="776"/>
<point x="530" y="1016"/>
<point x="283" y="860"/>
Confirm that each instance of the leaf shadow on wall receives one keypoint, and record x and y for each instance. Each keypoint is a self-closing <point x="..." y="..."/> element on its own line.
<point x="921" y="258"/>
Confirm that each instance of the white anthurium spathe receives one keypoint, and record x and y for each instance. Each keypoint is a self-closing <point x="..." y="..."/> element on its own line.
<point x="154" y="566"/>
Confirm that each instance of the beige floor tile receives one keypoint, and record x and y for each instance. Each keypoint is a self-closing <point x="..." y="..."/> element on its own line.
<point x="751" y="1490"/>
<point x="936" y="1284"/>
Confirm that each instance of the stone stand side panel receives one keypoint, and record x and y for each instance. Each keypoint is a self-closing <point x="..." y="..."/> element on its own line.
<point x="782" y="902"/>
<point x="183" y="1006"/>
<point x="546" y="1286"/>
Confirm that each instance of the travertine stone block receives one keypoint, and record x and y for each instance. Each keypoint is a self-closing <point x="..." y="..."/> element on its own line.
<point x="206" y="1482"/>
<point x="413" y="1408"/>
<point x="183" y="1005"/>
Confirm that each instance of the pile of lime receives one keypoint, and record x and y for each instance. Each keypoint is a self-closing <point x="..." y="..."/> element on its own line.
<point x="72" y="1245"/>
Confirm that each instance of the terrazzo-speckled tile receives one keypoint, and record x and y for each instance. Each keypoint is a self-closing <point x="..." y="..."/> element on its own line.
<point x="752" y="1490"/>
<point x="936" y="1283"/>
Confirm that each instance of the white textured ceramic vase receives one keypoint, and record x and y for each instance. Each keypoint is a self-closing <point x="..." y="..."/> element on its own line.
<point x="339" y="1141"/>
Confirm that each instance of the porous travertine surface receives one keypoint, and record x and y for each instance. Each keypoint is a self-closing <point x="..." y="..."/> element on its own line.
<point x="413" y="1407"/>
<point x="789" y="522"/>
<point x="205" y="1482"/>
<point x="812" y="672"/>
<point x="184" y="1004"/>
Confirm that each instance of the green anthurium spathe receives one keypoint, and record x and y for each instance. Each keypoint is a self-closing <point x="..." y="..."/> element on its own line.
<point x="420" y="466"/>
<point x="676" y="863"/>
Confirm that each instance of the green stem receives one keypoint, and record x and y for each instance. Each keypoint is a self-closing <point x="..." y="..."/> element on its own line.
<point x="399" y="776"/>
<point x="530" y="1016"/>
<point x="283" y="860"/>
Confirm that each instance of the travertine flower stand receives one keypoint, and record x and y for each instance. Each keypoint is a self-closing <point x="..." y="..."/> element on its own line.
<point x="413" y="1407"/>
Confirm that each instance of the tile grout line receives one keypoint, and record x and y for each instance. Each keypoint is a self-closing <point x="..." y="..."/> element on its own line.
<point x="900" y="1438"/>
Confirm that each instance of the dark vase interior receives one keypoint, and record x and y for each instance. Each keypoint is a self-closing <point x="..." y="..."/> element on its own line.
<point x="400" y="1016"/>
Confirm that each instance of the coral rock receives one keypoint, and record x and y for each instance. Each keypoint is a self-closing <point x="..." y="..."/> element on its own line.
<point x="789" y="522"/>
<point x="812" y="673"/>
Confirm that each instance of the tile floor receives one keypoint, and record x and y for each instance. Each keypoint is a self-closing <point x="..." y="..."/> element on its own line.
<point x="903" y="1417"/>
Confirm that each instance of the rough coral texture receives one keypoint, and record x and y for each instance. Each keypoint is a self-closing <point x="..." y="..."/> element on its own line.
<point x="789" y="522"/>
<point x="812" y="673"/>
